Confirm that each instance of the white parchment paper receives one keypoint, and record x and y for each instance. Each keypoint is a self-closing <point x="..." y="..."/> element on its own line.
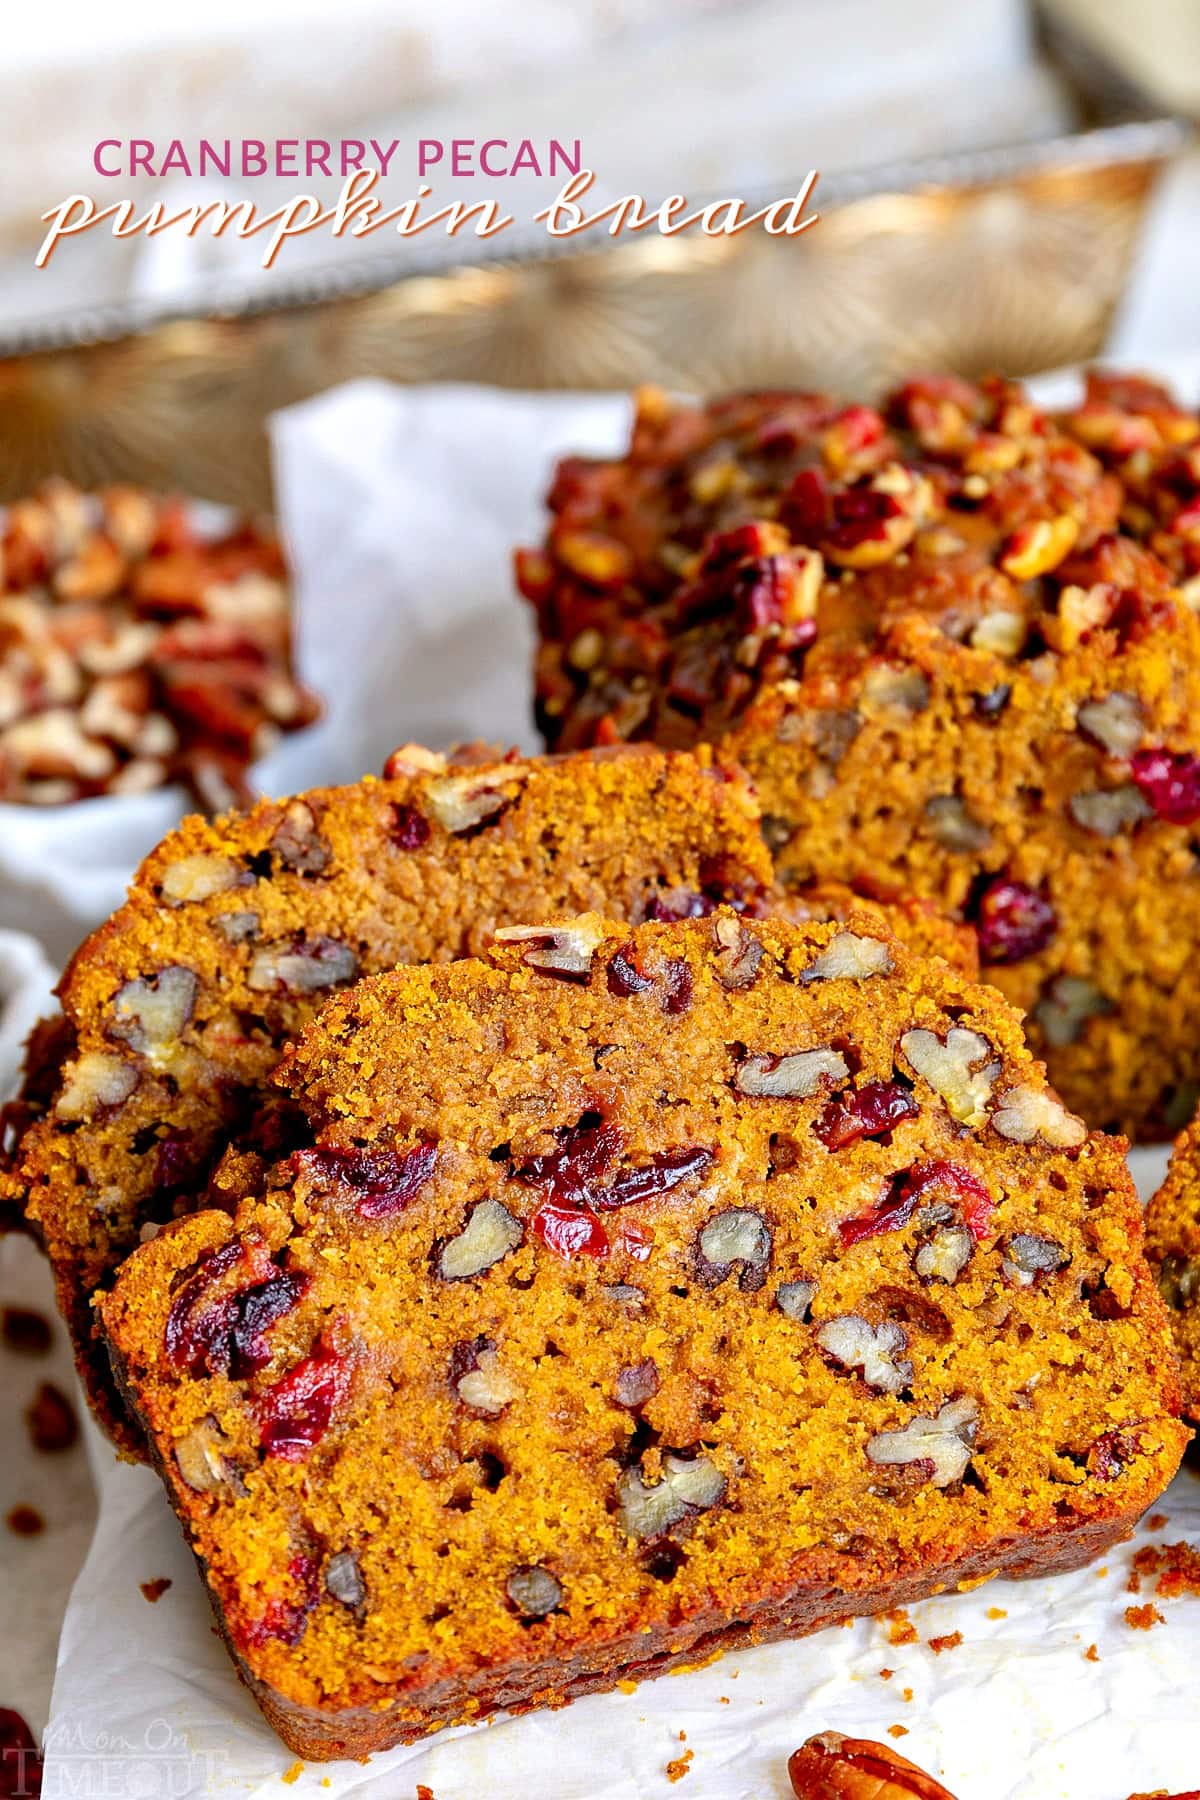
<point x="400" y="508"/>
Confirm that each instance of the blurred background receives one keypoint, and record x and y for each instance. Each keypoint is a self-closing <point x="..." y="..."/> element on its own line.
<point x="1003" y="184"/>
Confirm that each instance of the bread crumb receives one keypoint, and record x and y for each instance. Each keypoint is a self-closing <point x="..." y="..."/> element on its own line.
<point x="950" y="1641"/>
<point x="897" y="1731"/>
<point x="1091" y="1654"/>
<point x="901" y="1630"/>
<point x="678" y="1769"/>
<point x="627" y="1687"/>
<point x="1176" y="1566"/>
<point x="1141" y="1618"/>
<point x="292" y="1774"/>
<point x="723" y="1699"/>
<point x="683" y="1737"/>
<point x="154" y="1590"/>
<point x="996" y="1612"/>
<point x="906" y="1693"/>
<point x="423" y="1792"/>
<point x="886" y="1674"/>
<point x="1156" y="1521"/>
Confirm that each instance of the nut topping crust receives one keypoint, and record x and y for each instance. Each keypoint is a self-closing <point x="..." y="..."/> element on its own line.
<point x="956" y="645"/>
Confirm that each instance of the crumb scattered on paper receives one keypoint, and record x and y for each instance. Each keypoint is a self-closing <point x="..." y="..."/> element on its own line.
<point x="950" y="1640"/>
<point x="997" y="1612"/>
<point x="897" y="1731"/>
<point x="1091" y="1654"/>
<point x="1141" y="1618"/>
<point x="1176" y="1566"/>
<point x="678" y="1769"/>
<point x="154" y="1590"/>
<point x="292" y="1774"/>
<point x="901" y="1629"/>
<point x="1156" y="1521"/>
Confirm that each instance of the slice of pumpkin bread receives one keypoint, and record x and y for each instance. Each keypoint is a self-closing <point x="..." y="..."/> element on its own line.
<point x="633" y="1293"/>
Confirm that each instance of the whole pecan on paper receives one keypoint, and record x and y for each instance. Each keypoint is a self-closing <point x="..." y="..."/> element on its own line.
<point x="832" y="1767"/>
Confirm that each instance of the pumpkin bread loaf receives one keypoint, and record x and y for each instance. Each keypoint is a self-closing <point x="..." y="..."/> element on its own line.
<point x="1173" y="1245"/>
<point x="236" y="931"/>
<point x="928" y="635"/>
<point x="634" y="1293"/>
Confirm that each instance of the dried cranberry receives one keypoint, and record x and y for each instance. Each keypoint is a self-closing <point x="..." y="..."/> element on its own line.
<point x="571" y="1174"/>
<point x="219" y="1317"/>
<point x="874" y="1109"/>
<point x="294" y="1414"/>
<point x="677" y="986"/>
<point x="634" y="1241"/>
<point x="725" y="549"/>
<point x="807" y="509"/>
<point x="1170" y="781"/>
<point x="256" y="1312"/>
<point x="200" y="1319"/>
<point x="974" y="1204"/>
<point x="20" y="1759"/>
<point x="569" y="1231"/>
<point x="568" y="1173"/>
<point x="1112" y="1452"/>
<point x="624" y="976"/>
<point x="861" y="516"/>
<point x="662" y="1173"/>
<point x="410" y="827"/>
<point x="1013" y="921"/>
<point x="286" y="1619"/>
<point x="908" y="1189"/>
<point x="678" y="903"/>
<point x="382" y="1181"/>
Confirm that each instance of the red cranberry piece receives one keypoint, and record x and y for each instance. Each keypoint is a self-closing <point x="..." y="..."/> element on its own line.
<point x="1111" y="1452"/>
<point x="727" y="548"/>
<point x="1170" y="781"/>
<point x="294" y="1414"/>
<point x="202" y="1316"/>
<point x="964" y="1190"/>
<point x="662" y="1173"/>
<point x="256" y="1312"/>
<point x="624" y="976"/>
<point x="892" y="1213"/>
<point x="1013" y="921"/>
<point x="861" y="516"/>
<point x="677" y="986"/>
<point x="569" y="1231"/>
<point x="874" y="1109"/>
<point x="807" y="509"/>
<point x="286" y="1619"/>
<point x="571" y="1174"/>
<point x="678" y="903"/>
<point x="382" y="1181"/>
<point x="571" y="1171"/>
<point x="20" y="1759"/>
<point x="636" y="1243"/>
<point x="410" y="828"/>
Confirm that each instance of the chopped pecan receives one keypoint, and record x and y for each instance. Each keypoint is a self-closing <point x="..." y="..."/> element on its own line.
<point x="939" y="1448"/>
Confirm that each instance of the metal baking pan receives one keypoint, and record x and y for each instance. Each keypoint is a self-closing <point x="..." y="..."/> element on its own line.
<point x="1011" y="258"/>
